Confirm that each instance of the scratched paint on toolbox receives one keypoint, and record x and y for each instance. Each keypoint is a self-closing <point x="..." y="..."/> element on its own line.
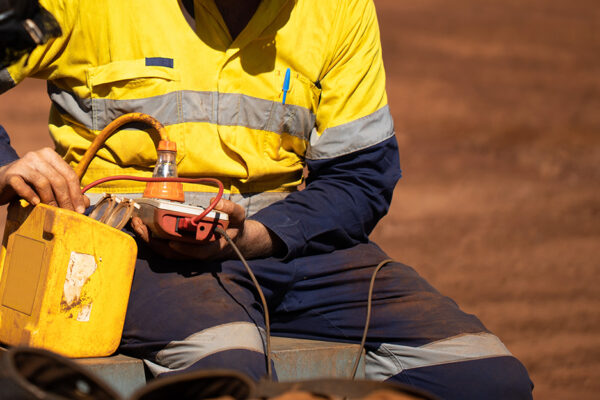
<point x="75" y="299"/>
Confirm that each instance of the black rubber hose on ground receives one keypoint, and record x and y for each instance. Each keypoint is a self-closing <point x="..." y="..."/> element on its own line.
<point x="29" y="373"/>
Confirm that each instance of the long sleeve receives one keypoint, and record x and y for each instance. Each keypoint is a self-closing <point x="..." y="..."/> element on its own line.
<point x="343" y="200"/>
<point x="7" y="152"/>
<point x="352" y="157"/>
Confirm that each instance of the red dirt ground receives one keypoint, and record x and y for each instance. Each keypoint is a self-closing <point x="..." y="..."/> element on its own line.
<point x="497" y="110"/>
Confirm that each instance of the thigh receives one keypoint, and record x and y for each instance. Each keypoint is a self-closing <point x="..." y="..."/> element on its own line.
<point x="188" y="315"/>
<point x="416" y="335"/>
<point x="329" y="299"/>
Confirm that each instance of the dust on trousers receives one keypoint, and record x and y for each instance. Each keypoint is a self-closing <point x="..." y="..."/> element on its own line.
<point x="185" y="316"/>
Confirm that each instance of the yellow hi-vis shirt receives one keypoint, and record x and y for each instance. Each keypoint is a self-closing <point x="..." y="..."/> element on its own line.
<point x="220" y="99"/>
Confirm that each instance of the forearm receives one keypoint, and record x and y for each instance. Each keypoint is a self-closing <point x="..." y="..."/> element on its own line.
<point x="256" y="241"/>
<point x="344" y="199"/>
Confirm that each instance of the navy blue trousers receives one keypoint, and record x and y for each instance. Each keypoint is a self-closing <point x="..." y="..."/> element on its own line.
<point x="184" y="316"/>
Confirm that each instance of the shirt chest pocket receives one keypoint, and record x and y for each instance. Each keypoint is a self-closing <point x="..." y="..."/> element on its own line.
<point x="300" y="90"/>
<point x="295" y="104"/>
<point x="122" y="87"/>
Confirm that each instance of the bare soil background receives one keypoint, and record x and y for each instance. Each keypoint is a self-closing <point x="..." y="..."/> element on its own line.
<point x="497" y="111"/>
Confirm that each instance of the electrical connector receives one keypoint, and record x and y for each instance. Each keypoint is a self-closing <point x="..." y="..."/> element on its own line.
<point x="166" y="167"/>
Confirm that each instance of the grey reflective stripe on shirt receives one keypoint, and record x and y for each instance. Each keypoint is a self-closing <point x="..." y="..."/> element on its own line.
<point x="6" y="81"/>
<point x="240" y="110"/>
<point x="252" y="202"/>
<point x="97" y="113"/>
<point x="80" y="110"/>
<point x="182" y="354"/>
<point x="231" y="109"/>
<point x="389" y="359"/>
<point x="353" y="136"/>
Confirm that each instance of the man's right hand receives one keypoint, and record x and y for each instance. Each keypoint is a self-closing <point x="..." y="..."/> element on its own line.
<point x="42" y="176"/>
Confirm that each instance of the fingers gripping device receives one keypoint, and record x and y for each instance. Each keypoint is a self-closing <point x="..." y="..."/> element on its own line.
<point x="65" y="278"/>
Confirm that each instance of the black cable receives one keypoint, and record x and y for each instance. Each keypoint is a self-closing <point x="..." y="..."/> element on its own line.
<point x="222" y="232"/>
<point x="368" y="320"/>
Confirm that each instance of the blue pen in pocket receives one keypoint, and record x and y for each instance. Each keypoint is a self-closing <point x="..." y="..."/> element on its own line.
<point x="286" y="84"/>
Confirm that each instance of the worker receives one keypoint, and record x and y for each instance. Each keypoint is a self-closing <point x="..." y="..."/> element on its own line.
<point x="252" y="92"/>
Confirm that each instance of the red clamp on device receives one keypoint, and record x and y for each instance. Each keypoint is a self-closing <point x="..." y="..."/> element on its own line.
<point x="204" y="230"/>
<point x="174" y="221"/>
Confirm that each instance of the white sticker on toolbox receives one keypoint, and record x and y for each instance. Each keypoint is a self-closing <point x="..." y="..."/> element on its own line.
<point x="81" y="267"/>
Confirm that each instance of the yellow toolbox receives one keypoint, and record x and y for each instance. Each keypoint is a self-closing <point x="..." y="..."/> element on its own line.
<point x="65" y="281"/>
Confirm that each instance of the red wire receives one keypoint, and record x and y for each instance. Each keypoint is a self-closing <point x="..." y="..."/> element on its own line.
<point x="196" y="220"/>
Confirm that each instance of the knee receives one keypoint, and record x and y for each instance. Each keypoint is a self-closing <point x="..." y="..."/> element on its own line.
<point x="236" y="345"/>
<point x="489" y="378"/>
<point x="252" y="364"/>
